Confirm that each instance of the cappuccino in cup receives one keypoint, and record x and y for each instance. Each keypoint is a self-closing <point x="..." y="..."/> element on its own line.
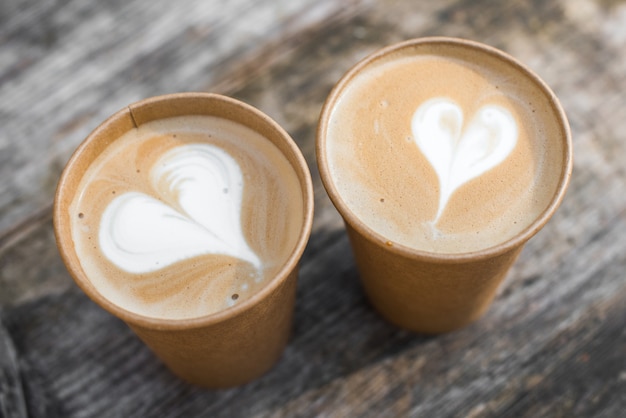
<point x="443" y="151"/>
<point x="186" y="216"/>
<point x="443" y="156"/>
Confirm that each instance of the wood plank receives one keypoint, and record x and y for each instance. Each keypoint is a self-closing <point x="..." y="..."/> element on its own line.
<point x="551" y="345"/>
<point x="64" y="69"/>
<point x="491" y="367"/>
<point x="78" y="359"/>
<point x="12" y="400"/>
<point x="590" y="379"/>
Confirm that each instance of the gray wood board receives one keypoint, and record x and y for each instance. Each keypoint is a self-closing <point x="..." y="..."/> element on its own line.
<point x="553" y="343"/>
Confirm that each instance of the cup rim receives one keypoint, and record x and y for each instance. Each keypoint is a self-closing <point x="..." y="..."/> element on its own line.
<point x="61" y="220"/>
<point x="447" y="258"/>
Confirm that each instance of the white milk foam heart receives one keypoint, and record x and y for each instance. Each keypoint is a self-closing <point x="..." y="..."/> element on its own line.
<point x="458" y="155"/>
<point x="141" y="234"/>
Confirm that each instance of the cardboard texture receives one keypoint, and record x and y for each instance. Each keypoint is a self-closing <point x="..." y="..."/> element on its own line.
<point x="230" y="347"/>
<point x="434" y="292"/>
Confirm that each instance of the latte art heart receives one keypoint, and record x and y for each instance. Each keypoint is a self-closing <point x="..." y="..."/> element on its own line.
<point x="141" y="233"/>
<point x="456" y="154"/>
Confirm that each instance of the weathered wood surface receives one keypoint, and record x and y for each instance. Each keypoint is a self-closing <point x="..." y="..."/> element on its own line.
<point x="553" y="343"/>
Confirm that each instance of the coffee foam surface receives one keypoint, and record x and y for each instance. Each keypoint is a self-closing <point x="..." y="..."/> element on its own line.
<point x="438" y="153"/>
<point x="186" y="216"/>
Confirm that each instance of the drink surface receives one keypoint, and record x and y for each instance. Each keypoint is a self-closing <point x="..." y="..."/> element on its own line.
<point x="186" y="216"/>
<point x="446" y="150"/>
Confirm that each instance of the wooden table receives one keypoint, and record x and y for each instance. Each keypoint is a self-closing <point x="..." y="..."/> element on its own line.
<point x="552" y="344"/>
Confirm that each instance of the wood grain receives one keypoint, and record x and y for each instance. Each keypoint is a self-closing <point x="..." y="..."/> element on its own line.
<point x="552" y="344"/>
<point x="67" y="66"/>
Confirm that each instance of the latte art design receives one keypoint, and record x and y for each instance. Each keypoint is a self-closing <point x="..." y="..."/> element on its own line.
<point x="141" y="233"/>
<point x="441" y="151"/>
<point x="461" y="153"/>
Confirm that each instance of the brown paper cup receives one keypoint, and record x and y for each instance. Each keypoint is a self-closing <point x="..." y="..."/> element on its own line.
<point x="433" y="292"/>
<point x="232" y="346"/>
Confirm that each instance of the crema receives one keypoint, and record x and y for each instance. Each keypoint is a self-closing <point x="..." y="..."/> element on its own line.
<point x="186" y="216"/>
<point x="441" y="151"/>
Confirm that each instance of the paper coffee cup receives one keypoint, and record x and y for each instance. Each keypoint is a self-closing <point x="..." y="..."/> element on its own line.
<point x="387" y="180"/>
<point x="231" y="346"/>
